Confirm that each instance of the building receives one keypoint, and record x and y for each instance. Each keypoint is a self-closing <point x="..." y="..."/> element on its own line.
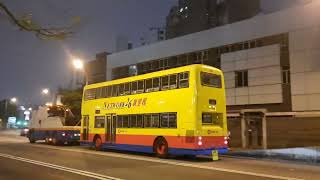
<point x="191" y="16"/>
<point x="123" y="44"/>
<point x="271" y="69"/>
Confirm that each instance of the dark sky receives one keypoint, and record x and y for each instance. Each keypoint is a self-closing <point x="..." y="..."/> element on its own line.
<point x="28" y="64"/>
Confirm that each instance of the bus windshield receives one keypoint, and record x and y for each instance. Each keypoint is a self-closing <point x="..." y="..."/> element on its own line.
<point x="211" y="80"/>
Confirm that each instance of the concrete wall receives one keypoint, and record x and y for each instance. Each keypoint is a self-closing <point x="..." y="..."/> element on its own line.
<point x="264" y="75"/>
<point x="305" y="69"/>
<point x="259" y="26"/>
<point x="283" y="132"/>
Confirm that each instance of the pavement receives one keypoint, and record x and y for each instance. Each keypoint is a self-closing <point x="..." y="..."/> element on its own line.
<point x="309" y="155"/>
<point x="21" y="160"/>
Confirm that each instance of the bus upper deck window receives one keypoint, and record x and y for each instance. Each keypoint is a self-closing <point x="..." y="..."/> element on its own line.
<point x="184" y="80"/>
<point x="140" y="87"/>
<point x="127" y="88"/>
<point x="156" y="84"/>
<point x="115" y="91"/>
<point x="173" y="81"/>
<point x="134" y="87"/>
<point x="109" y="91"/>
<point x="164" y="82"/>
<point x="149" y="87"/>
<point x="121" y="89"/>
<point x="211" y="80"/>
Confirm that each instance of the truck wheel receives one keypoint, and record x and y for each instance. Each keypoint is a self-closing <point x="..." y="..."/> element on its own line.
<point x="160" y="147"/>
<point x="47" y="141"/>
<point x="56" y="142"/>
<point x="31" y="138"/>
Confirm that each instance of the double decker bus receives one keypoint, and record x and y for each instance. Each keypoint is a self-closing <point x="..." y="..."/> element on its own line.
<point x="179" y="111"/>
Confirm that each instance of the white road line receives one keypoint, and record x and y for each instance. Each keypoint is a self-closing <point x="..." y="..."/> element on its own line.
<point x="62" y="168"/>
<point x="172" y="163"/>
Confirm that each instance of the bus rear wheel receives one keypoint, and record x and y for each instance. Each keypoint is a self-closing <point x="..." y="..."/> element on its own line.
<point x="97" y="144"/>
<point x="160" y="147"/>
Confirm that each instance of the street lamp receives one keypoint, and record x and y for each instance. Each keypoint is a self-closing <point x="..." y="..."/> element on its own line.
<point x="45" y="91"/>
<point x="13" y="100"/>
<point x="78" y="64"/>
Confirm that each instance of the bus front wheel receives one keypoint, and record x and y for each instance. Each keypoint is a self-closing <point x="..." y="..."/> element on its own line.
<point x="97" y="143"/>
<point x="160" y="147"/>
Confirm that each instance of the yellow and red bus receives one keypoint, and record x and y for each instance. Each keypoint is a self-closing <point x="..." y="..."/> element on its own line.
<point x="179" y="111"/>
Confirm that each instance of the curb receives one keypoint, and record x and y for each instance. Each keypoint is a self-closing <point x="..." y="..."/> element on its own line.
<point x="277" y="156"/>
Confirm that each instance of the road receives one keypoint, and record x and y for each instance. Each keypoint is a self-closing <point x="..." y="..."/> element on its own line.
<point x="19" y="159"/>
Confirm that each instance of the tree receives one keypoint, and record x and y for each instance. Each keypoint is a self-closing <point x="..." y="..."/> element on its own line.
<point x="72" y="99"/>
<point x="27" y="24"/>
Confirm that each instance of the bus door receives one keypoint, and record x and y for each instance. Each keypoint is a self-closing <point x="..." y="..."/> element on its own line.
<point x="111" y="125"/>
<point x="85" y="128"/>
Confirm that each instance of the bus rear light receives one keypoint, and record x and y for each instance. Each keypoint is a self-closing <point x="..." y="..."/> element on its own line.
<point x="200" y="143"/>
<point x="226" y="142"/>
<point x="225" y="138"/>
<point x="63" y="134"/>
<point x="200" y="138"/>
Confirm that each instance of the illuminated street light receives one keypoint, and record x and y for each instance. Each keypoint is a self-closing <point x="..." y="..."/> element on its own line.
<point x="49" y="104"/>
<point x="45" y="91"/>
<point x="13" y="100"/>
<point x="78" y="64"/>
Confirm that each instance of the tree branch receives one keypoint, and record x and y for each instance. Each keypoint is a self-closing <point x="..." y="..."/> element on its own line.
<point x="43" y="33"/>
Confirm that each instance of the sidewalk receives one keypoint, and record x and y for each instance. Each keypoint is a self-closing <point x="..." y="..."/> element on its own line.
<point x="309" y="155"/>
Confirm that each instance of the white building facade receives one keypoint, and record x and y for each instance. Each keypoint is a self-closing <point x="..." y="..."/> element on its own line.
<point x="271" y="62"/>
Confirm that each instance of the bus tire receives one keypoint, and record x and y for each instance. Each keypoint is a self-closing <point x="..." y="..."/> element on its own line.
<point x="160" y="148"/>
<point x="97" y="143"/>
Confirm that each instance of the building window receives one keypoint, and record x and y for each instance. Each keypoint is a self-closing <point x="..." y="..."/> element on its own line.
<point x="241" y="78"/>
<point x="285" y="75"/>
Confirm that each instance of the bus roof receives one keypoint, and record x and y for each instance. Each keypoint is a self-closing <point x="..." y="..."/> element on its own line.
<point x="154" y="74"/>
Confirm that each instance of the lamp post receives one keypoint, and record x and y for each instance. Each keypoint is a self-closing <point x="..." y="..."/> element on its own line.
<point x="78" y="65"/>
<point x="13" y="100"/>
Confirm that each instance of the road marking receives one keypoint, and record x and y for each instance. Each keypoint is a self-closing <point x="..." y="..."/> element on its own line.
<point x="62" y="168"/>
<point x="170" y="163"/>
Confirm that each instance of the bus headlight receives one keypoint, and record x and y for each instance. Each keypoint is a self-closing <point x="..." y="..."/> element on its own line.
<point x="226" y="142"/>
<point x="63" y="134"/>
<point x="200" y="143"/>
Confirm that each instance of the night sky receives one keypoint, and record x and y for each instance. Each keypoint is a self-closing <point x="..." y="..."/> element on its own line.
<point x="28" y="64"/>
